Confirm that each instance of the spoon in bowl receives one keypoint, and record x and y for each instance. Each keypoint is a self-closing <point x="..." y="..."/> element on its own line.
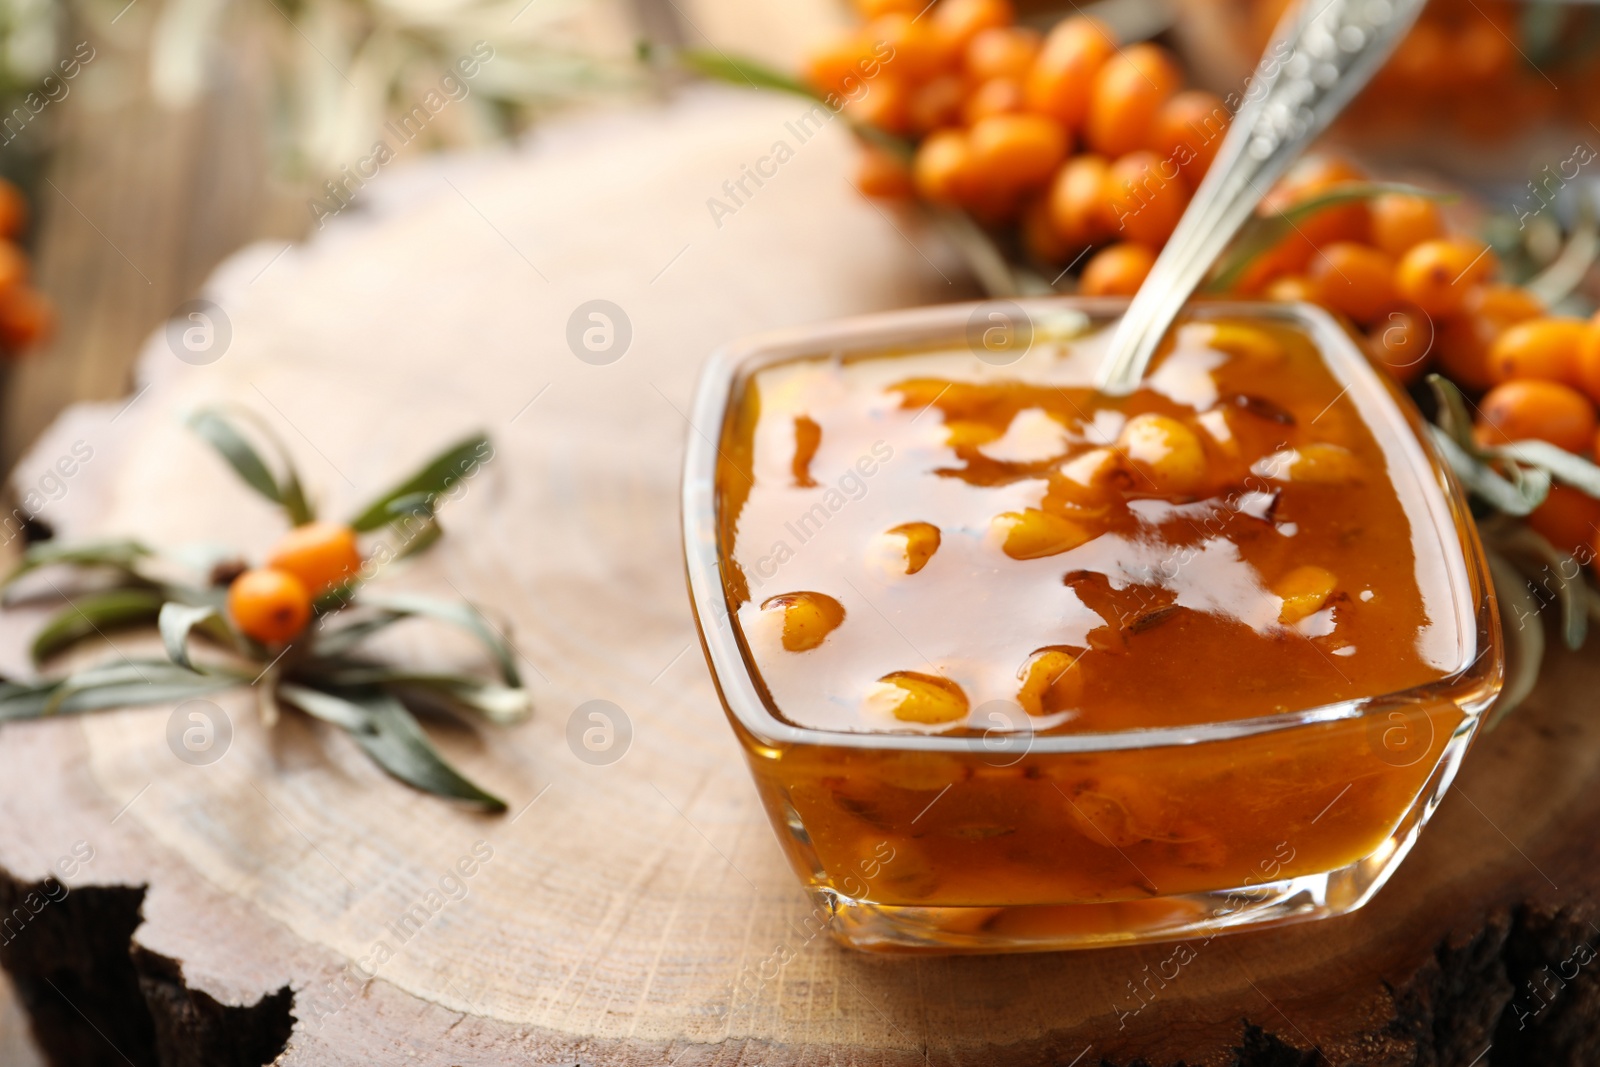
<point x="1323" y="53"/>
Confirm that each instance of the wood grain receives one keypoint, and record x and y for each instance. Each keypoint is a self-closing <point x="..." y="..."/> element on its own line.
<point x="610" y="916"/>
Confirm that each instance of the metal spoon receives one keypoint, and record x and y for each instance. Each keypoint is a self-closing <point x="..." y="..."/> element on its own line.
<point x="1321" y="56"/>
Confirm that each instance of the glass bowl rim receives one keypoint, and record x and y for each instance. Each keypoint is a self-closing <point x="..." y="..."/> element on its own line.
<point x="1472" y="687"/>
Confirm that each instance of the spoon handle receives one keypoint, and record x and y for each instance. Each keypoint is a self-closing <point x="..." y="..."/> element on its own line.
<point x="1321" y="56"/>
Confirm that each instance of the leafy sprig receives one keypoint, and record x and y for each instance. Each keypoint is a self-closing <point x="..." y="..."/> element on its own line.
<point x="325" y="672"/>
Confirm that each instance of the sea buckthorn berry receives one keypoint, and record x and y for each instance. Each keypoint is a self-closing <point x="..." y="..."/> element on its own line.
<point x="885" y="104"/>
<point x="1402" y="343"/>
<point x="1539" y="348"/>
<point x="882" y="174"/>
<point x="1063" y="75"/>
<point x="1077" y="201"/>
<point x="1317" y="463"/>
<point x="1570" y="520"/>
<point x="1312" y="178"/>
<point x="320" y="554"/>
<point x="942" y="167"/>
<point x="1437" y="275"/>
<point x="1234" y="338"/>
<point x="269" y="605"/>
<point x="1292" y="289"/>
<point x="959" y="21"/>
<point x="921" y="541"/>
<point x="911" y="696"/>
<point x="1463" y="342"/>
<point x="903" y="46"/>
<point x="1304" y="591"/>
<point x="936" y="102"/>
<point x="1117" y="270"/>
<point x="1537" y="410"/>
<point x="1052" y="681"/>
<point x="1401" y="221"/>
<point x="1034" y="534"/>
<point x="1589" y="361"/>
<point x="1001" y="52"/>
<point x="808" y="618"/>
<point x="27" y="318"/>
<point x="997" y="96"/>
<point x="1189" y="129"/>
<point x="1146" y="196"/>
<point x="1040" y="239"/>
<point x="13" y="267"/>
<point x="1128" y="90"/>
<point x="1355" y="280"/>
<point x="1016" y="151"/>
<point x="1165" y="451"/>
<point x="838" y="66"/>
<point x="871" y="9"/>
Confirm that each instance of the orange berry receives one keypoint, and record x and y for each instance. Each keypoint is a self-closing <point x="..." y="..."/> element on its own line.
<point x="1570" y="520"/>
<point x="1400" y="222"/>
<point x="936" y="102"/>
<point x="1188" y="130"/>
<point x="884" y="102"/>
<point x="1040" y="238"/>
<point x="905" y="46"/>
<point x="27" y="318"/>
<point x="942" y="167"/>
<point x="1537" y="410"/>
<point x="959" y="21"/>
<point x="1062" y="78"/>
<point x="882" y="174"/>
<point x="1146" y="196"/>
<point x="1292" y="288"/>
<point x="320" y="554"/>
<point x="871" y="9"/>
<point x="1128" y="90"/>
<point x="1001" y="52"/>
<point x="1355" y="280"/>
<point x="13" y="210"/>
<point x="997" y="96"/>
<point x="1077" y="201"/>
<point x="1402" y="343"/>
<point x="1464" y="341"/>
<point x="1589" y="361"/>
<point x="13" y="267"/>
<point x="1016" y="151"/>
<point x="1437" y="275"/>
<point x="269" y="605"/>
<point x="1117" y="270"/>
<point x="1539" y="348"/>
<point x="837" y="66"/>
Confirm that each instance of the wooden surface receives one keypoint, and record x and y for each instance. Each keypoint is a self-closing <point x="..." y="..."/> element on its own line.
<point x="224" y="906"/>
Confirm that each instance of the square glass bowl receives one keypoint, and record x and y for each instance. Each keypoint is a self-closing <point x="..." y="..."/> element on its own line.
<point x="1012" y="838"/>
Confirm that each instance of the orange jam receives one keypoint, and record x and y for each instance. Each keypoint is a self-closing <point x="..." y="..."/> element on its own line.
<point x="922" y="541"/>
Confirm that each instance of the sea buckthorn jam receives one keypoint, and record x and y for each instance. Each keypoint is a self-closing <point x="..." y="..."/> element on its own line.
<point x="1089" y="600"/>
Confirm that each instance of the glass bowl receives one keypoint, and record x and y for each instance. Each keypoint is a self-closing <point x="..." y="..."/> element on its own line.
<point x="1008" y="838"/>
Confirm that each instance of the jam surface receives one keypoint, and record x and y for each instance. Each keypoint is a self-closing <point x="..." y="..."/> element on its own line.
<point x="930" y="541"/>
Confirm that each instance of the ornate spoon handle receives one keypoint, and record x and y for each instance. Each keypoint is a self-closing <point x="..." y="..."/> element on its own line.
<point x="1321" y="56"/>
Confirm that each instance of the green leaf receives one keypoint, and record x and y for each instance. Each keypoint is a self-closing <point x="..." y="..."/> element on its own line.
<point x="1519" y="620"/>
<point x="741" y="70"/>
<point x="338" y="641"/>
<point x="1453" y="417"/>
<point x="176" y="621"/>
<point x="1564" y="466"/>
<point x="437" y="476"/>
<point x="1263" y="232"/>
<point x="457" y="613"/>
<point x="500" y="704"/>
<point x="92" y="614"/>
<point x="242" y="456"/>
<point x="391" y="735"/>
<point x="1517" y="497"/>
<point x="121" y="554"/>
<point x="1548" y="570"/>
<point x="125" y="684"/>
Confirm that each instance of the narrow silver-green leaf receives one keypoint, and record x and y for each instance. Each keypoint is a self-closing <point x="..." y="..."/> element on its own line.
<point x="501" y="704"/>
<point x="743" y="71"/>
<point x="326" y="706"/>
<point x="1518" y="498"/>
<point x="395" y="741"/>
<point x="120" y="554"/>
<point x="1548" y="569"/>
<point x="129" y="683"/>
<point x="91" y="615"/>
<point x="1453" y="417"/>
<point x="457" y="613"/>
<point x="437" y="476"/>
<point x="1519" y="620"/>
<point x="1564" y="466"/>
<point x="241" y="455"/>
<point x="176" y="622"/>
